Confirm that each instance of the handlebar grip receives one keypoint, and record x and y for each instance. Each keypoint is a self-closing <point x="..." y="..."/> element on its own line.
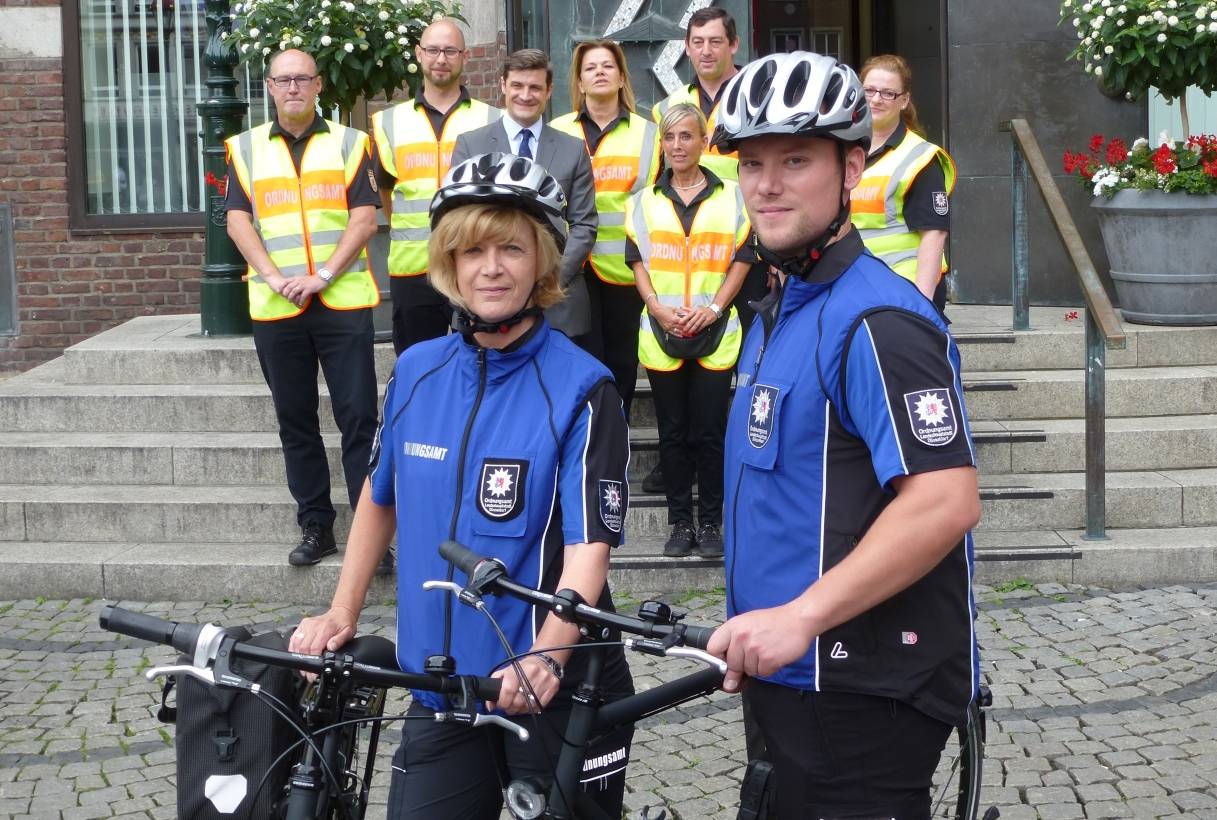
<point x="698" y="636"/>
<point x="460" y="556"/>
<point x="181" y="637"/>
<point x="488" y="688"/>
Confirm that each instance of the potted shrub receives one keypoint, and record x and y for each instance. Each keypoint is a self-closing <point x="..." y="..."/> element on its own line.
<point x="362" y="47"/>
<point x="1156" y="203"/>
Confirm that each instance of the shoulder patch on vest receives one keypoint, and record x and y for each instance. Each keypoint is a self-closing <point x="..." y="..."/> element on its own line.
<point x="611" y="504"/>
<point x="942" y="203"/>
<point x="760" y="416"/>
<point x="932" y="416"/>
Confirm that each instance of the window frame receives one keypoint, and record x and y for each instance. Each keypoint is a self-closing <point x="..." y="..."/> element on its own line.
<point x="80" y="221"/>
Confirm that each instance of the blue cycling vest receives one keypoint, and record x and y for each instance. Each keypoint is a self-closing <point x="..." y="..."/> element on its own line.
<point x="820" y="424"/>
<point x="493" y="449"/>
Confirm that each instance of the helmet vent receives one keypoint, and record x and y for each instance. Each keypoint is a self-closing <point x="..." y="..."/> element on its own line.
<point x="831" y="93"/>
<point x="761" y="82"/>
<point x="796" y="86"/>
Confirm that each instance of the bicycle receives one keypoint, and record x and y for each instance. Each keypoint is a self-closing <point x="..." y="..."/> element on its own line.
<point x="316" y="789"/>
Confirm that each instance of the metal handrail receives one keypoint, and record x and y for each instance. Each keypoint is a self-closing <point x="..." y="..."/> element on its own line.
<point x="1103" y="326"/>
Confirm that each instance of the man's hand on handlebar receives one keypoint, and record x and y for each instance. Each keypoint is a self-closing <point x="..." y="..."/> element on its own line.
<point x="515" y="698"/>
<point x="329" y="630"/>
<point x="759" y="643"/>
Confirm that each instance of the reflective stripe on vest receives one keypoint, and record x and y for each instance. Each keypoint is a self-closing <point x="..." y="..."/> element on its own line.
<point x="877" y="204"/>
<point x="625" y="162"/>
<point x="687" y="271"/>
<point x="725" y="166"/>
<point x="410" y="151"/>
<point x="301" y="218"/>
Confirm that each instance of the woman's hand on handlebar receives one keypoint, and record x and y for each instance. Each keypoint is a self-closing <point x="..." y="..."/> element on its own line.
<point x="515" y="698"/>
<point x="329" y="630"/>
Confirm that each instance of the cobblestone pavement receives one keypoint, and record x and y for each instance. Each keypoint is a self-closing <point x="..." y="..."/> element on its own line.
<point x="1105" y="705"/>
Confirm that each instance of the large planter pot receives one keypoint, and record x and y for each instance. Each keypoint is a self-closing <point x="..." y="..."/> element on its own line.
<point x="1163" y="253"/>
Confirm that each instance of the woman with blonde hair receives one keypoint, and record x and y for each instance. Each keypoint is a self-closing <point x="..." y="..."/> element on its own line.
<point x="509" y="438"/>
<point x="624" y="149"/>
<point x="902" y="205"/>
<point x="688" y="247"/>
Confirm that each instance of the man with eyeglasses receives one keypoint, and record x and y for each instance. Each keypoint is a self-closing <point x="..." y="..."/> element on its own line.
<point x="301" y="205"/>
<point x="414" y="142"/>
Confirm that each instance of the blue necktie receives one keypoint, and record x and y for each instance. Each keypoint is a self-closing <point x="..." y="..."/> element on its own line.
<point x="525" y="139"/>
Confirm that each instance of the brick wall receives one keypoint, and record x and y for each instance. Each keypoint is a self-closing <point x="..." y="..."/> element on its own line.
<point x="73" y="284"/>
<point x="70" y="285"/>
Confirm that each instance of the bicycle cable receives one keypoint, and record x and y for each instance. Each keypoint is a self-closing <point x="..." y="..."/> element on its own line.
<point x="284" y="711"/>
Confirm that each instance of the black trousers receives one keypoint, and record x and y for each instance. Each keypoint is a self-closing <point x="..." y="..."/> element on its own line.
<point x="443" y="771"/>
<point x="419" y="311"/>
<point x="842" y="755"/>
<point x="289" y="351"/>
<point x="613" y="339"/>
<point x="691" y="406"/>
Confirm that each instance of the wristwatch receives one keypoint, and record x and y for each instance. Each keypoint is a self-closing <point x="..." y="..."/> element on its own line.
<point x="325" y="275"/>
<point x="718" y="312"/>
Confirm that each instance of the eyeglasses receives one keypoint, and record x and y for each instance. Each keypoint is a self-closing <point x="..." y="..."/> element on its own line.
<point x="884" y="93"/>
<point x="300" y="80"/>
<point x="434" y="51"/>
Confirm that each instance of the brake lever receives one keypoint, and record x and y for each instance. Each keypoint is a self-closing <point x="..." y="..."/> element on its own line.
<point x="478" y="719"/>
<point x="463" y="594"/>
<point x="652" y="647"/>
<point x="205" y="675"/>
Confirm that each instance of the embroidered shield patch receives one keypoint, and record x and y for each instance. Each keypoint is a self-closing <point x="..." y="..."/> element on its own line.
<point x="941" y="203"/>
<point x="612" y="504"/>
<point x="500" y="494"/>
<point x="932" y="416"/>
<point x="760" y="414"/>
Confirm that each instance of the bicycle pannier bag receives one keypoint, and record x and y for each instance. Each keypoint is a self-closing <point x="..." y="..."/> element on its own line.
<point x="228" y="738"/>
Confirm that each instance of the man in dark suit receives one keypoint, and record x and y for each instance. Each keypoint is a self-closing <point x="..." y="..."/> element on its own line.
<point x="527" y="81"/>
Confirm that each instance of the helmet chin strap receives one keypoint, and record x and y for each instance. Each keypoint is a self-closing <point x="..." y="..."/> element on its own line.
<point x="800" y="266"/>
<point x="467" y="323"/>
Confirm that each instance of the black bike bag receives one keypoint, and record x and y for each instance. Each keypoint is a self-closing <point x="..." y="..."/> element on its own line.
<point x="226" y="739"/>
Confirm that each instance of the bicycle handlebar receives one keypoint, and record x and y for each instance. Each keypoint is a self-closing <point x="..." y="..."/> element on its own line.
<point x="489" y="573"/>
<point x="195" y="639"/>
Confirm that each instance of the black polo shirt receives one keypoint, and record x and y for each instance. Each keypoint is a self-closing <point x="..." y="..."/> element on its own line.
<point x="593" y="134"/>
<point x="919" y="213"/>
<point x="704" y="99"/>
<point x="686" y="214"/>
<point x="361" y="191"/>
<point x="438" y="120"/>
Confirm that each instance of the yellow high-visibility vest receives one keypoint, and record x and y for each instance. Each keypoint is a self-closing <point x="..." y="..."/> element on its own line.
<point x="410" y="151"/>
<point x="725" y="166"/>
<point x="626" y="161"/>
<point x="300" y="217"/>
<point x="687" y="271"/>
<point x="877" y="204"/>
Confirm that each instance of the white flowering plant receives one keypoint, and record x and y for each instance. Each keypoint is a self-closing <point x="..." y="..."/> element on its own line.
<point x="362" y="47"/>
<point x="1132" y="46"/>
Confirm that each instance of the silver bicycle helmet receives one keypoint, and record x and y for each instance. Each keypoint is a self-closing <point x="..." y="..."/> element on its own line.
<point x="799" y="93"/>
<point x="503" y="179"/>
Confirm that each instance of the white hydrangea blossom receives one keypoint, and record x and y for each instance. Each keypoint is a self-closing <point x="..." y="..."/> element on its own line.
<point x="348" y="47"/>
<point x="326" y="39"/>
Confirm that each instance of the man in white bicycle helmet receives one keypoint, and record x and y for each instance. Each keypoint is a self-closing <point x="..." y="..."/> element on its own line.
<point x="851" y="486"/>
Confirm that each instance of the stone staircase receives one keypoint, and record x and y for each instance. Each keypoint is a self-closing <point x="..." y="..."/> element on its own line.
<point x="144" y="464"/>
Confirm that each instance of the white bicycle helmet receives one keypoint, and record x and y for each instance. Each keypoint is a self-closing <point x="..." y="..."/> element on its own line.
<point x="799" y="93"/>
<point x="503" y="179"/>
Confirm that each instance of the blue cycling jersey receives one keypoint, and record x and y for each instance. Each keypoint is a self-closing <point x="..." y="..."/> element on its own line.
<point x="513" y="453"/>
<point x="849" y="380"/>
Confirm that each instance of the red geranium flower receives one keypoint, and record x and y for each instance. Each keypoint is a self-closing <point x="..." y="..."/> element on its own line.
<point x="1117" y="151"/>
<point x="1164" y="160"/>
<point x="1096" y="143"/>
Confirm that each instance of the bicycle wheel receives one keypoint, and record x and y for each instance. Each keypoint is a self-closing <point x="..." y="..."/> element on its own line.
<point x="957" y="781"/>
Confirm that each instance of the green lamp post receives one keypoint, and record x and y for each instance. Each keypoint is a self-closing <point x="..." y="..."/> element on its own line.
<point x="224" y="296"/>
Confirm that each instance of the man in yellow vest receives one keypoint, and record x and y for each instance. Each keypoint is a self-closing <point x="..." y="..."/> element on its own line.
<point x="710" y="45"/>
<point x="301" y="205"/>
<point x="414" y="142"/>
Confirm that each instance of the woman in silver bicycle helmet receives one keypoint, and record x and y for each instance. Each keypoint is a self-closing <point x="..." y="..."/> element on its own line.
<point x="507" y="437"/>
